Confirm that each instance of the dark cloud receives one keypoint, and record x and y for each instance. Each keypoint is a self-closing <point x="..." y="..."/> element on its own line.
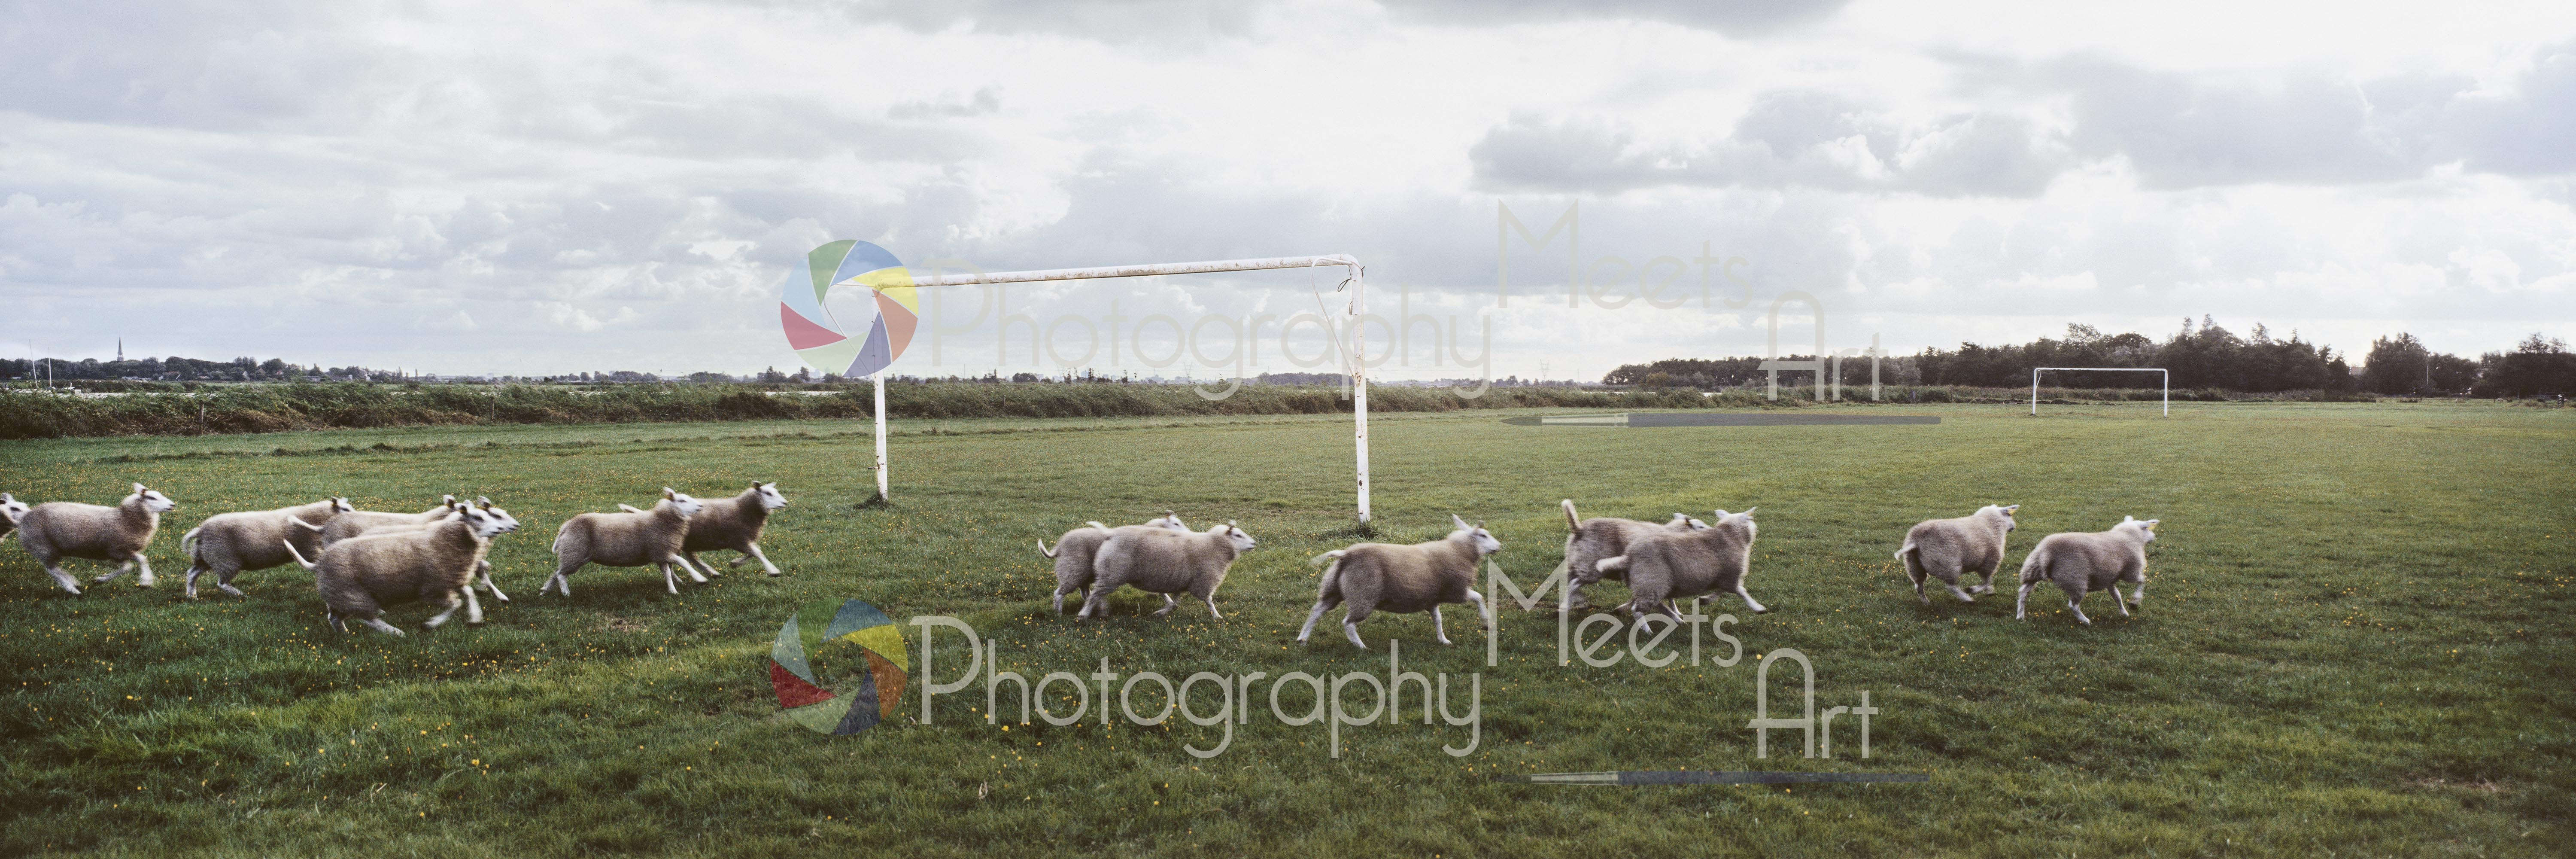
<point x="1743" y="18"/>
<point x="1787" y="139"/>
<point x="2180" y="131"/>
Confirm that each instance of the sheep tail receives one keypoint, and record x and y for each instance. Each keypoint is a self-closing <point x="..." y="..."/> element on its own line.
<point x="1909" y="547"/>
<point x="1612" y="564"/>
<point x="1043" y="550"/>
<point x="187" y="541"/>
<point x="557" y="546"/>
<point x="307" y="525"/>
<point x="1572" y="522"/>
<point x="1318" y="560"/>
<point x="308" y="566"/>
<point x="1102" y="528"/>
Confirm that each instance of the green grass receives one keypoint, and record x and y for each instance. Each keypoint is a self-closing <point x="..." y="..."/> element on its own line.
<point x="2356" y="643"/>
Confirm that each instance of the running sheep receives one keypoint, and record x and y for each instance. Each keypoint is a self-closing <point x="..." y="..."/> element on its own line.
<point x="650" y="538"/>
<point x="62" y="529"/>
<point x="1664" y="565"/>
<point x="10" y="509"/>
<point x="358" y="522"/>
<point x="1074" y="552"/>
<point x="1594" y="539"/>
<point x="359" y="577"/>
<point x="1375" y="577"/>
<point x="228" y="543"/>
<point x="1162" y="561"/>
<point x="2084" y="562"/>
<point x="731" y="523"/>
<point x="386" y="523"/>
<point x="1948" y="549"/>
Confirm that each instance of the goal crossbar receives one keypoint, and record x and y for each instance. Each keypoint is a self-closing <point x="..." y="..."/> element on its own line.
<point x="1358" y="367"/>
<point x="2167" y="377"/>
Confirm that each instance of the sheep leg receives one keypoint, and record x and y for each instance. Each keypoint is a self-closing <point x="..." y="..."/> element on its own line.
<point x="484" y="569"/>
<point x="145" y="580"/>
<point x="764" y="559"/>
<point x="62" y="578"/>
<point x="224" y="582"/>
<point x="1168" y="605"/>
<point x="1211" y="602"/>
<point x="1484" y="613"/>
<point x="1748" y="600"/>
<point x="332" y="617"/>
<point x="1352" y="628"/>
<point x="1311" y="617"/>
<point x="670" y="579"/>
<point x="1440" y="629"/>
<point x="2118" y="600"/>
<point x="194" y="570"/>
<point x="1989" y="586"/>
<point x="701" y="565"/>
<point x="452" y="604"/>
<point x="1916" y="573"/>
<point x="2141" y="598"/>
<point x="2071" y="599"/>
<point x="380" y="625"/>
<point x="1962" y="595"/>
<point x="685" y="565"/>
<point x="473" y="608"/>
<point x="2022" y="601"/>
<point x="119" y="571"/>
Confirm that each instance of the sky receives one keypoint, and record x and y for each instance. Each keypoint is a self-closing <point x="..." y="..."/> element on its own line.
<point x="541" y="188"/>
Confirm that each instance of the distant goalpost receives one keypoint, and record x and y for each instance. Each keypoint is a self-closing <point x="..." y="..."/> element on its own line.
<point x="2168" y="383"/>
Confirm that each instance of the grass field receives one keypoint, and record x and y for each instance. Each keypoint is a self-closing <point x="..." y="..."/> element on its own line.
<point x="2357" y="643"/>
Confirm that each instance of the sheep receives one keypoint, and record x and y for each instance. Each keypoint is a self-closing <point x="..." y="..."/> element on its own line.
<point x="62" y="529"/>
<point x="358" y="577"/>
<point x="1666" y="564"/>
<point x="731" y="523"/>
<point x="1163" y="561"/>
<point x="1594" y="539"/>
<point x="355" y="523"/>
<point x="386" y="523"/>
<point x="650" y="538"/>
<point x="1074" y="552"/>
<point x="1951" y="548"/>
<point x="10" y="509"/>
<point x="1374" y="577"/>
<point x="228" y="543"/>
<point x="2080" y="563"/>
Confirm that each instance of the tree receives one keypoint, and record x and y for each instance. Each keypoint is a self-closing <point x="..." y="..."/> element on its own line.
<point x="2396" y="365"/>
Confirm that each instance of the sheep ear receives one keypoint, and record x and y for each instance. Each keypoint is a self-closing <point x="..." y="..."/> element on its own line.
<point x="2151" y="524"/>
<point x="1721" y="513"/>
<point x="1460" y="522"/>
<point x="2008" y="510"/>
<point x="667" y="493"/>
<point x="1748" y="512"/>
<point x="138" y="488"/>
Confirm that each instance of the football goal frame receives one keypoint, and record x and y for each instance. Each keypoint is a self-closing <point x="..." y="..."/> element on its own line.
<point x="1356" y="282"/>
<point x="2167" y="376"/>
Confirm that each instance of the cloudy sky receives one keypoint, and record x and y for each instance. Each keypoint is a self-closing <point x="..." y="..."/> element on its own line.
<point x="556" y="187"/>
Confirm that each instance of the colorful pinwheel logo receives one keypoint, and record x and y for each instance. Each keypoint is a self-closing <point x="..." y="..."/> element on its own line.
<point x="820" y="340"/>
<point x="838" y="668"/>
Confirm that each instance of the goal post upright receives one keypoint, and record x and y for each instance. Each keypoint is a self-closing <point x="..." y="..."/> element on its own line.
<point x="2165" y="375"/>
<point x="1358" y="307"/>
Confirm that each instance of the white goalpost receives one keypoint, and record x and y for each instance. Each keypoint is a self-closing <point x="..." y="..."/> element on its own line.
<point x="2168" y="383"/>
<point x="1359" y="306"/>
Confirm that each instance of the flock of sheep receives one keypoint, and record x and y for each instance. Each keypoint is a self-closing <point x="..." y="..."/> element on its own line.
<point x="363" y="561"/>
<point x="1682" y="558"/>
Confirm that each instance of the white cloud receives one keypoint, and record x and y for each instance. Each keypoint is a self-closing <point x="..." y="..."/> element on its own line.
<point x="542" y="181"/>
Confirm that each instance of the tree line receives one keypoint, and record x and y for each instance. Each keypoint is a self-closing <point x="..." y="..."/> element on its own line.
<point x="2200" y="355"/>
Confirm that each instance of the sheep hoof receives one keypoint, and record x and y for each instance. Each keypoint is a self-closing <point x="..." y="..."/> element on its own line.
<point x="231" y="590"/>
